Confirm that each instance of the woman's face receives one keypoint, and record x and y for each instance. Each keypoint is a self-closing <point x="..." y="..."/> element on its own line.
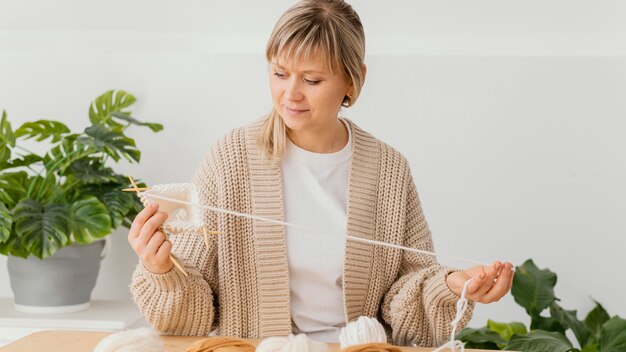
<point x="306" y="95"/>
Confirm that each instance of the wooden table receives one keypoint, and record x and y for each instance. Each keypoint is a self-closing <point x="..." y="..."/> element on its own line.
<point x="79" y="341"/>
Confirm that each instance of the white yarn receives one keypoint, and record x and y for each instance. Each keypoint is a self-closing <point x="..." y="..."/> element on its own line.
<point x="292" y="343"/>
<point x="154" y="194"/>
<point x="178" y="204"/>
<point x="461" y="307"/>
<point x="137" y="340"/>
<point x="362" y="331"/>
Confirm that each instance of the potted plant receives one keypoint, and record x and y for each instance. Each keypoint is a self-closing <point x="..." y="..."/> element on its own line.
<point x="533" y="289"/>
<point x="56" y="207"/>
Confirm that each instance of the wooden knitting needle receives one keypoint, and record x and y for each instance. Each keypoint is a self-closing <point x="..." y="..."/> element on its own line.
<point x="135" y="190"/>
<point x="172" y="258"/>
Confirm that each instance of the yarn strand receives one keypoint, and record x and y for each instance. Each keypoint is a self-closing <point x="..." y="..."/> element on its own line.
<point x="302" y="227"/>
<point x="461" y="307"/>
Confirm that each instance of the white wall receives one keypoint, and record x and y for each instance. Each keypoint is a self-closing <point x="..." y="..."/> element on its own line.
<point x="512" y="114"/>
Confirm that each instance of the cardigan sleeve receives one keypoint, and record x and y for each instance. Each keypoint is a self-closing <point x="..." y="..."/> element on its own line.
<point x="175" y="304"/>
<point x="419" y="306"/>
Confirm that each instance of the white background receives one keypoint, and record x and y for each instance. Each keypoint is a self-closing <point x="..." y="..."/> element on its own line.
<point x="511" y="113"/>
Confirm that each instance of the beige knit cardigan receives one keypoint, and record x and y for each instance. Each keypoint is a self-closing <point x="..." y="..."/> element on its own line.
<point x="240" y="285"/>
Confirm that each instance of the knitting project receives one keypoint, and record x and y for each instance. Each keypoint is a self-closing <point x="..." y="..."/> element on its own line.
<point x="182" y="217"/>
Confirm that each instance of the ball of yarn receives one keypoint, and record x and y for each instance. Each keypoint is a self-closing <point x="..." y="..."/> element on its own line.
<point x="362" y="331"/>
<point x="292" y="343"/>
<point x="372" y="347"/>
<point x="221" y="344"/>
<point x="136" y="340"/>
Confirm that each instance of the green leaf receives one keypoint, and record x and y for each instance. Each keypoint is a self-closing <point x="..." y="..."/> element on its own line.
<point x="14" y="247"/>
<point x="595" y="319"/>
<point x="63" y="155"/>
<point x="113" y="143"/>
<point x="43" y="189"/>
<point x="111" y="101"/>
<point x="42" y="229"/>
<point x="119" y="204"/>
<point x="568" y="319"/>
<point x="6" y="222"/>
<point x="89" y="170"/>
<point x="89" y="220"/>
<point x="26" y="160"/>
<point x="12" y="187"/>
<point x="155" y="127"/>
<point x="507" y="330"/>
<point x="532" y="288"/>
<point x="480" y="338"/>
<point x="6" y="133"/>
<point x="547" y="324"/>
<point x="5" y="155"/>
<point x="613" y="335"/>
<point x="43" y="129"/>
<point x="540" y="341"/>
<point x="590" y="348"/>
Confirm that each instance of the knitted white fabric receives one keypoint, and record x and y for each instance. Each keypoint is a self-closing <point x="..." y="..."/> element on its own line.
<point x="182" y="218"/>
<point x="137" y="340"/>
<point x="362" y="331"/>
<point x="293" y="343"/>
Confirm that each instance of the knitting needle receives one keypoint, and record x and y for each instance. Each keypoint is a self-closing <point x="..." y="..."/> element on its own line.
<point x="172" y="258"/>
<point x="206" y="232"/>
<point x="139" y="189"/>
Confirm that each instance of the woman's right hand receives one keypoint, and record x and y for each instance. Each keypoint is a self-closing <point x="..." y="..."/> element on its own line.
<point x="147" y="240"/>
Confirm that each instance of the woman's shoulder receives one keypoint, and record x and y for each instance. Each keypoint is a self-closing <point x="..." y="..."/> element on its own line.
<point x="366" y="143"/>
<point x="232" y="149"/>
<point x="237" y="140"/>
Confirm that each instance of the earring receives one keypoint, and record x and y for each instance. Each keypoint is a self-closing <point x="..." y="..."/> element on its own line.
<point x="347" y="101"/>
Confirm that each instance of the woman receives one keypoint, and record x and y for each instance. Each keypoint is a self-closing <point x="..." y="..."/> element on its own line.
<point x="304" y="165"/>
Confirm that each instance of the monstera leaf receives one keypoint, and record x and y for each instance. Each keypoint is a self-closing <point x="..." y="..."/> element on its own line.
<point x="5" y="155"/>
<point x="532" y="288"/>
<point x="41" y="229"/>
<point x="6" y="133"/>
<point x="43" y="129"/>
<point x="88" y="220"/>
<point x="113" y="143"/>
<point x="155" y="127"/>
<point x="65" y="153"/>
<point x="118" y="204"/>
<point x="6" y="221"/>
<point x="110" y="102"/>
<point x="22" y="160"/>
<point x="12" y="187"/>
<point x="90" y="170"/>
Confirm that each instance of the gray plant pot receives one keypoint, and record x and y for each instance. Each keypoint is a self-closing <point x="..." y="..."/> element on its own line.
<point x="61" y="283"/>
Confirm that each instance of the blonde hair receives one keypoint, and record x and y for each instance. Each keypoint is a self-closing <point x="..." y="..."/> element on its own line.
<point x="330" y="27"/>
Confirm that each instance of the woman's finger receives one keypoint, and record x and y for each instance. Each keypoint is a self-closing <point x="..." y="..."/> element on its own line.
<point x="140" y="220"/>
<point x="475" y="285"/>
<point x="153" y="246"/>
<point x="163" y="254"/>
<point x="491" y="273"/>
<point x="500" y="288"/>
<point x="151" y="226"/>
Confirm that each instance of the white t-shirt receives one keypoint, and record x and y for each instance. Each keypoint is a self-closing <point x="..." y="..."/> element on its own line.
<point x="315" y="190"/>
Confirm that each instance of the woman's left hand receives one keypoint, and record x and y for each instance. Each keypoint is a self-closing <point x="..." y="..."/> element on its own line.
<point x="488" y="285"/>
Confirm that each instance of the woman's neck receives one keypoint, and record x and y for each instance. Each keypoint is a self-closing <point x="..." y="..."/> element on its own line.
<point x="324" y="140"/>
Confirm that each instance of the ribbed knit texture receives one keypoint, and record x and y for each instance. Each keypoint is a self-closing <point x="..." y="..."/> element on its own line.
<point x="240" y="286"/>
